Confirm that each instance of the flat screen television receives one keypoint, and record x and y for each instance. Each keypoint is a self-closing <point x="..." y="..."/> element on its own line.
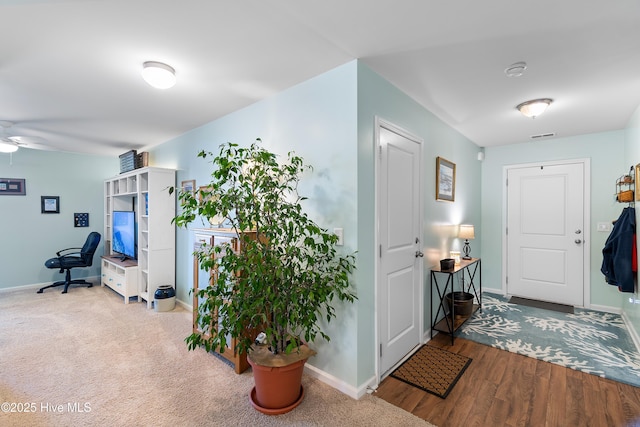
<point x="123" y="240"/>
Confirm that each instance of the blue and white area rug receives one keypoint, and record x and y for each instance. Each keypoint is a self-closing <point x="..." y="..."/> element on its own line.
<point x="590" y="341"/>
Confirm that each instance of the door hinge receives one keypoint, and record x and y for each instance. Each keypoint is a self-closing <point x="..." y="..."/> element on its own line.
<point x="381" y="350"/>
<point x="380" y="251"/>
<point x="506" y="280"/>
<point x="380" y="151"/>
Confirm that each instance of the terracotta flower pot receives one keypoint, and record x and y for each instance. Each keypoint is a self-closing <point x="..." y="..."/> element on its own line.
<point x="278" y="380"/>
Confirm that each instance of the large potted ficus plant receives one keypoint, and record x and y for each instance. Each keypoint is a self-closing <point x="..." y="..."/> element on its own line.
<point x="283" y="280"/>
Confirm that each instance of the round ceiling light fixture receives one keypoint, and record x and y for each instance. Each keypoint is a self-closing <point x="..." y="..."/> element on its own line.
<point x="158" y="74"/>
<point x="535" y="107"/>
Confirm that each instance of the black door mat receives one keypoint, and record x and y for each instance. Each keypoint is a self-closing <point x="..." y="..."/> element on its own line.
<point x="562" y="308"/>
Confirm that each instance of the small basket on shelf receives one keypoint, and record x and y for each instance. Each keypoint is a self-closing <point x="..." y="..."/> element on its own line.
<point x="625" y="188"/>
<point x="625" y="196"/>
<point x="460" y="302"/>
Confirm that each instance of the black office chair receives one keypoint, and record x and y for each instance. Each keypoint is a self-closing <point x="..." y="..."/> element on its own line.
<point x="67" y="261"/>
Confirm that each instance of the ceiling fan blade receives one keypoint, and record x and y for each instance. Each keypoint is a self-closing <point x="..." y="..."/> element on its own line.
<point x="34" y="142"/>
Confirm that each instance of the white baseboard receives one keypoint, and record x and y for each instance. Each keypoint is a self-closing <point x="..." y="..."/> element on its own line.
<point x="184" y="305"/>
<point x="595" y="307"/>
<point x="312" y="371"/>
<point x="605" y="308"/>
<point x="370" y="386"/>
<point x="632" y="330"/>
<point x="93" y="279"/>
<point x="337" y="383"/>
<point x="24" y="287"/>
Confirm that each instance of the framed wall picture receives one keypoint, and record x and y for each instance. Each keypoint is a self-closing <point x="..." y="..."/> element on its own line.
<point x="12" y="187"/>
<point x="445" y="180"/>
<point x="204" y="195"/>
<point x="49" y="204"/>
<point x="189" y="185"/>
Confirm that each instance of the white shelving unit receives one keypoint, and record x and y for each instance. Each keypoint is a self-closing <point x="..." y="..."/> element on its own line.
<point x="146" y="191"/>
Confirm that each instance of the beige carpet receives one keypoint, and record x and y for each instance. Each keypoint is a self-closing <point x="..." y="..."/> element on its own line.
<point x="86" y="358"/>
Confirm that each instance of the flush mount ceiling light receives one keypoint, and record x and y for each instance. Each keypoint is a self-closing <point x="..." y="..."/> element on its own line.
<point x="535" y="107"/>
<point x="158" y="74"/>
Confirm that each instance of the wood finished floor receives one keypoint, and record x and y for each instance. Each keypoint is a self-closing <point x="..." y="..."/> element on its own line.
<point x="500" y="388"/>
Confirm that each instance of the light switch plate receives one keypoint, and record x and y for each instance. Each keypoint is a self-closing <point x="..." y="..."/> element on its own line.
<point x="340" y="233"/>
<point x="604" y="226"/>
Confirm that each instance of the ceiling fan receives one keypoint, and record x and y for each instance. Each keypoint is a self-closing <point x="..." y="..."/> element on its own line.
<point x="11" y="143"/>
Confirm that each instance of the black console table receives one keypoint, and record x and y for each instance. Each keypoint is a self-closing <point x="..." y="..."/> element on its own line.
<point x="445" y="319"/>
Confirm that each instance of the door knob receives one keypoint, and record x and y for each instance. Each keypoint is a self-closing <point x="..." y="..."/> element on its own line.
<point x="578" y="241"/>
<point x="578" y="231"/>
<point x="419" y="254"/>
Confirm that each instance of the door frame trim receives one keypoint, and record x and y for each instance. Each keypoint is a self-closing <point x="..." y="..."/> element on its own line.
<point x="586" y="164"/>
<point x="382" y="123"/>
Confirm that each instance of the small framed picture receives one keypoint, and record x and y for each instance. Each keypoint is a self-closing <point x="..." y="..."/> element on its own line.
<point x="49" y="204"/>
<point x="12" y="187"/>
<point x="189" y="185"/>
<point x="445" y="180"/>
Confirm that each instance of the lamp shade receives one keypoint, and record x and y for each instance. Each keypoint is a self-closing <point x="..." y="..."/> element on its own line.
<point x="534" y="107"/>
<point x="466" y="232"/>
<point x="158" y="75"/>
<point x="6" y="147"/>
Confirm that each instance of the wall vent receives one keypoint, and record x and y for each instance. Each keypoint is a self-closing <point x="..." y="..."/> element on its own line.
<point x="543" y="135"/>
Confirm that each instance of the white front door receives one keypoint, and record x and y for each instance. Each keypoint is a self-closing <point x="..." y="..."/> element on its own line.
<point x="546" y="232"/>
<point x="399" y="291"/>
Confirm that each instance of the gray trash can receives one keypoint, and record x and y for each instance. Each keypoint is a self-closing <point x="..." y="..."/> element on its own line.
<point x="164" y="298"/>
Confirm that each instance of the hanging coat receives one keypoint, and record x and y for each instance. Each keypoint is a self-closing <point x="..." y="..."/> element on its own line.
<point x="617" y="255"/>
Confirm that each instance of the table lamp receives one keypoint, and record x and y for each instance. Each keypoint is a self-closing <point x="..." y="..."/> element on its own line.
<point x="466" y="232"/>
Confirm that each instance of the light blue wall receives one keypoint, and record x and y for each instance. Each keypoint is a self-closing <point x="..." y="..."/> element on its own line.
<point x="632" y="156"/>
<point x="329" y="120"/>
<point x="606" y="151"/>
<point x="378" y="97"/>
<point x="29" y="237"/>
<point x="317" y="120"/>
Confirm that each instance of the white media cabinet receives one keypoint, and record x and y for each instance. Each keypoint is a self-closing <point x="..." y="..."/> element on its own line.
<point x="146" y="192"/>
<point x="121" y="276"/>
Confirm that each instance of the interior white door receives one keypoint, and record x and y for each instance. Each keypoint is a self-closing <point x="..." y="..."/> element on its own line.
<point x="400" y="267"/>
<point x="545" y="233"/>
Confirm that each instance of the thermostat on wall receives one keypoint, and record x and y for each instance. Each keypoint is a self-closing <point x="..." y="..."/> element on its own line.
<point x="80" y="219"/>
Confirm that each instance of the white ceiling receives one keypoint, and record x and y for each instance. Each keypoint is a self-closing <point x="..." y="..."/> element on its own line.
<point x="70" y="69"/>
